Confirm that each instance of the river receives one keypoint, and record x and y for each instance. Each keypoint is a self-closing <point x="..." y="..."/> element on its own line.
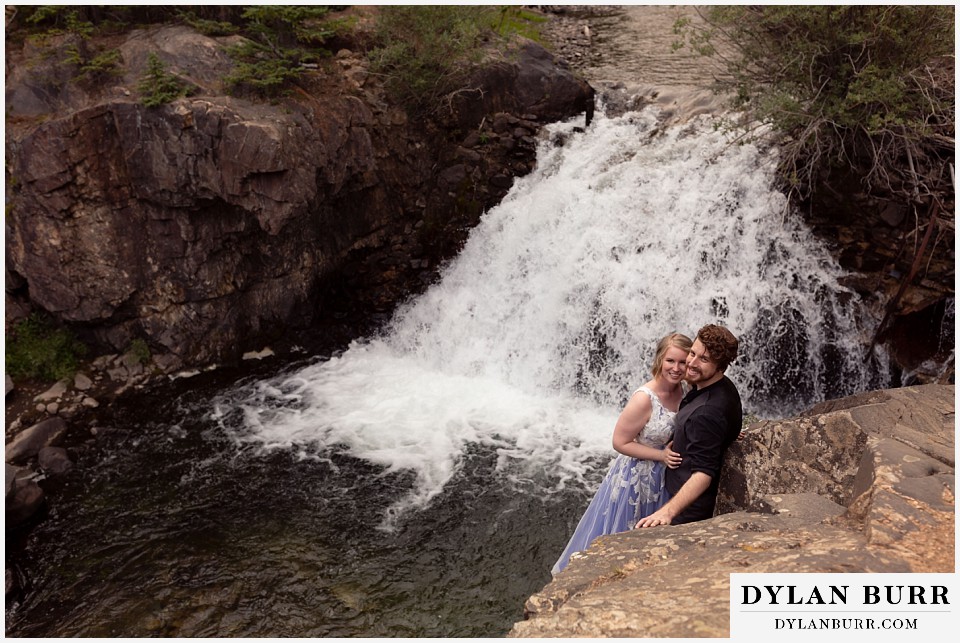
<point x="421" y="481"/>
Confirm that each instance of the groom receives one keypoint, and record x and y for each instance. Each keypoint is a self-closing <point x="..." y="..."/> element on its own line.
<point x="707" y="423"/>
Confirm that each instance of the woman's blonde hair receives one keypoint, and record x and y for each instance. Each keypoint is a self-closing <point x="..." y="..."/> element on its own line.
<point x="672" y="340"/>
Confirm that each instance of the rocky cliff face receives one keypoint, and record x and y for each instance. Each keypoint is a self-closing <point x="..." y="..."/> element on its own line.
<point x="862" y="484"/>
<point x="212" y="224"/>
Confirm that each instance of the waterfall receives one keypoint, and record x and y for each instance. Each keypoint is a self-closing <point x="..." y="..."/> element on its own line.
<point x="539" y="330"/>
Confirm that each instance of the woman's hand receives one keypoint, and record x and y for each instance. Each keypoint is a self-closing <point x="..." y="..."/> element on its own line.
<point x="670" y="457"/>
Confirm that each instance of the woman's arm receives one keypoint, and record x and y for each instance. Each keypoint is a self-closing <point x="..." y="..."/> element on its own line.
<point x="633" y="418"/>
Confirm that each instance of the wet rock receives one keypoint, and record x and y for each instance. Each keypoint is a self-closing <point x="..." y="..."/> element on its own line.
<point x="871" y="236"/>
<point x="262" y="354"/>
<point x="54" y="460"/>
<point x="11" y="479"/>
<point x="29" y="442"/>
<point x="10" y="583"/>
<point x="893" y="214"/>
<point x="502" y="122"/>
<point x="921" y="338"/>
<point x="26" y="500"/>
<point x="468" y="154"/>
<point x="453" y="174"/>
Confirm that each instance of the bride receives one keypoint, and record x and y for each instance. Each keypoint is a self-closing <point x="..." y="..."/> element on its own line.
<point x="633" y="488"/>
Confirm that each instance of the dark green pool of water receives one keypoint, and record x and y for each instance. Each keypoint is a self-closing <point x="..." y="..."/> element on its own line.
<point x="168" y="529"/>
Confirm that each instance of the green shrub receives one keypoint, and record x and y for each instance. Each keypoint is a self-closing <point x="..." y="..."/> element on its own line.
<point x="207" y="26"/>
<point x="105" y="63"/>
<point x="867" y="87"/>
<point x="282" y="40"/>
<point x="139" y="349"/>
<point x="263" y="71"/>
<point x="91" y="64"/>
<point x="158" y="86"/>
<point x="61" y="19"/>
<point x="279" y="26"/>
<point x="104" y="18"/>
<point x="427" y="52"/>
<point x="515" y="20"/>
<point x="39" y="350"/>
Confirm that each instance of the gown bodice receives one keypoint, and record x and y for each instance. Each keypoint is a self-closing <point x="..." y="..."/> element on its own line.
<point x="659" y="428"/>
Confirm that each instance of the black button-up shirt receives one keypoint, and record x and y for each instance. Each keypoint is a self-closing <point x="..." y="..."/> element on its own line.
<point x="708" y="422"/>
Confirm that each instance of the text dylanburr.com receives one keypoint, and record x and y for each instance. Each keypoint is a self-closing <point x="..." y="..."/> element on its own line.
<point x="826" y="607"/>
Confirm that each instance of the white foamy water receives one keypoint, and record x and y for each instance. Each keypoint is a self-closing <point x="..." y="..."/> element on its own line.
<point x="539" y="330"/>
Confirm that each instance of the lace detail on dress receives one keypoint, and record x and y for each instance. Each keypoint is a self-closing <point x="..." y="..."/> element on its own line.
<point x="639" y="475"/>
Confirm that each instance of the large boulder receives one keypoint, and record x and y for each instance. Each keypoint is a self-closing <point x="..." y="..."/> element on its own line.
<point x="863" y="484"/>
<point x="11" y="475"/>
<point x="29" y="442"/>
<point x="529" y="81"/>
<point x="24" y="497"/>
<point x="54" y="461"/>
<point x="831" y="449"/>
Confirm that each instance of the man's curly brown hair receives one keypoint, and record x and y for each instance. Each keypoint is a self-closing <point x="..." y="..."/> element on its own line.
<point x="721" y="344"/>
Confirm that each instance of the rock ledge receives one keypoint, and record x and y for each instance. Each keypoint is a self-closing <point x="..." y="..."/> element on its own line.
<point x="863" y="485"/>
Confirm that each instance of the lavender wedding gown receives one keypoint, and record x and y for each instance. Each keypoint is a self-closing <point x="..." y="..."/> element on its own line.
<point x="632" y="489"/>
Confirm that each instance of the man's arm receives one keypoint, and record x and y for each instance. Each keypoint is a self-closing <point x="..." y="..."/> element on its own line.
<point x="690" y="491"/>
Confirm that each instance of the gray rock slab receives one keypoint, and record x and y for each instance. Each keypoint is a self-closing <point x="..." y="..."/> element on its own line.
<point x="9" y="384"/>
<point x="52" y="393"/>
<point x="673" y="581"/>
<point x="808" y="507"/>
<point x="937" y="491"/>
<point x="29" y="442"/>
